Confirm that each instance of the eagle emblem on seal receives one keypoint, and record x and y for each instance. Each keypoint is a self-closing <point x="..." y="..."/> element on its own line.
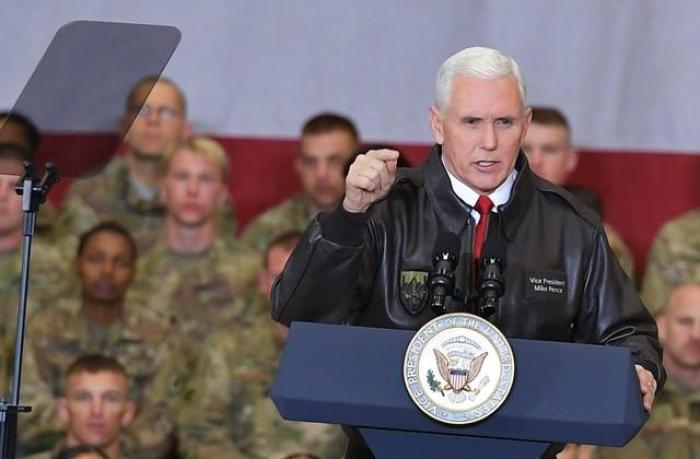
<point x="457" y="372"/>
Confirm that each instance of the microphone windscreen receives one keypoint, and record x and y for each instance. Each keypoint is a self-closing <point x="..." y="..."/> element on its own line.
<point x="447" y="242"/>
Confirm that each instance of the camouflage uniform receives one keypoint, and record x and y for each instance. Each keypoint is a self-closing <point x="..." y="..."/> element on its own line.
<point x="198" y="291"/>
<point x="620" y="249"/>
<point x="672" y="431"/>
<point x="61" y="334"/>
<point x="674" y="259"/>
<point x="291" y="215"/>
<point x="47" y="273"/>
<point x="228" y="408"/>
<point x="111" y="196"/>
<point x="46" y="219"/>
<point x="60" y="446"/>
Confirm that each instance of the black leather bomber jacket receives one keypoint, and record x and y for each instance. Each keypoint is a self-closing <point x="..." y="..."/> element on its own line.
<point x="562" y="281"/>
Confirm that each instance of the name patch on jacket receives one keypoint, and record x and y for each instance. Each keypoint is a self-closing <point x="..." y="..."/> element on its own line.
<point x="544" y="285"/>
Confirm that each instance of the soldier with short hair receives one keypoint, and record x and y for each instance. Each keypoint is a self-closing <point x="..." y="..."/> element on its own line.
<point x="673" y="429"/>
<point x="191" y="274"/>
<point x="328" y="144"/>
<point x="94" y="408"/>
<point x="47" y="268"/>
<point x="552" y="156"/>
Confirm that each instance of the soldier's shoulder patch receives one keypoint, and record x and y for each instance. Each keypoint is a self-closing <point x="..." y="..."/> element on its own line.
<point x="413" y="290"/>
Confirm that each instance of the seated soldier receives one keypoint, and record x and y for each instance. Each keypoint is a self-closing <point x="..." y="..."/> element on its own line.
<point x="47" y="266"/>
<point x="673" y="429"/>
<point x="234" y="375"/>
<point x="93" y="408"/>
<point x="551" y="155"/>
<point x="327" y="146"/>
<point x="105" y="317"/>
<point x="18" y="130"/>
<point x="191" y="275"/>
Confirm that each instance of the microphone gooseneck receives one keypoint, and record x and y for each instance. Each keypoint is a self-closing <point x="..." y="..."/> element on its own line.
<point x="491" y="285"/>
<point x="441" y="282"/>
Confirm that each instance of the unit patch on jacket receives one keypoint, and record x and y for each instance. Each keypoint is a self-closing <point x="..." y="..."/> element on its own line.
<point x="545" y="285"/>
<point x="413" y="290"/>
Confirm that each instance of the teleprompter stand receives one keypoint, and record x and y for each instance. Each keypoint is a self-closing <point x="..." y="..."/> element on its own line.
<point x="33" y="192"/>
<point x="75" y="95"/>
<point x="562" y="393"/>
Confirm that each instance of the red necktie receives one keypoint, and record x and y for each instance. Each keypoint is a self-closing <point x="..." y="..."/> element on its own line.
<point x="483" y="206"/>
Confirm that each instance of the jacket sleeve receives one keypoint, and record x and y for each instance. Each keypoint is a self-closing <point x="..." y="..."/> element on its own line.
<point x="612" y="313"/>
<point x="327" y="278"/>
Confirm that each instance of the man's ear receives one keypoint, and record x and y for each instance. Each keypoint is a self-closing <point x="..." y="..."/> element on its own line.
<point x="297" y="164"/>
<point x="263" y="276"/>
<point x="661" y="324"/>
<point x="526" y="124"/>
<point x="436" y="124"/>
<point x="124" y="124"/>
<point x="62" y="412"/>
<point x="163" y="193"/>
<point x="129" y="414"/>
<point x="572" y="160"/>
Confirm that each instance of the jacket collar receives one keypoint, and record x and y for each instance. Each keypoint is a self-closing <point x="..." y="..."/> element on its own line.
<point x="451" y="210"/>
<point x="454" y="213"/>
<point x="521" y="198"/>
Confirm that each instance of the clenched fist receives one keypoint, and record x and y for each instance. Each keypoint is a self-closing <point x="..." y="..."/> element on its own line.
<point x="370" y="178"/>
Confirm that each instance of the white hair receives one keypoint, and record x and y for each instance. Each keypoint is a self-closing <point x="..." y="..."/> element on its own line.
<point x="475" y="62"/>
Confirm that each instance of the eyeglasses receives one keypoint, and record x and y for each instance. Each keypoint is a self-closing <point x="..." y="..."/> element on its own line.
<point x="165" y="113"/>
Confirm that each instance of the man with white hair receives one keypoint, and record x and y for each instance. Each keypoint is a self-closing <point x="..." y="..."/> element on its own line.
<point x="476" y="184"/>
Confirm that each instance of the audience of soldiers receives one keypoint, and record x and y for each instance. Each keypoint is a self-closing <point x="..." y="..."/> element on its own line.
<point x="156" y="342"/>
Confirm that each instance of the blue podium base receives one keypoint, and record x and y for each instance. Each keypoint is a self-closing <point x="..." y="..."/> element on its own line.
<point x="395" y="444"/>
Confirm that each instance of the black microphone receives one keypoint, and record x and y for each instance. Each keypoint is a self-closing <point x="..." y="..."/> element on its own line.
<point x="441" y="281"/>
<point x="491" y="279"/>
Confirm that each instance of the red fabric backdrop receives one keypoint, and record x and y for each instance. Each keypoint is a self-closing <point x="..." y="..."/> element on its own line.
<point x="640" y="190"/>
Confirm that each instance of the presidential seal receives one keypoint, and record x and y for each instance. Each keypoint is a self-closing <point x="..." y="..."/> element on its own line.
<point x="458" y="368"/>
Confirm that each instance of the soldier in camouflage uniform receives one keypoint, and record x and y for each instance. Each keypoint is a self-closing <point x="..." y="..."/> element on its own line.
<point x="104" y="319"/>
<point x="328" y="142"/>
<point x="550" y="154"/>
<point x="127" y="190"/>
<point x="47" y="266"/>
<point x="191" y="275"/>
<point x="19" y="131"/>
<point x="673" y="430"/>
<point x="674" y="259"/>
<point x="94" y="407"/>
<point x="227" y="407"/>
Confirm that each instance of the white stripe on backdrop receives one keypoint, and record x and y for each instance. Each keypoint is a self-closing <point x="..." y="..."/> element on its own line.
<point x="625" y="71"/>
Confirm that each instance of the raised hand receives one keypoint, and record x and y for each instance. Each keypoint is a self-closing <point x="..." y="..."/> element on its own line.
<point x="370" y="178"/>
